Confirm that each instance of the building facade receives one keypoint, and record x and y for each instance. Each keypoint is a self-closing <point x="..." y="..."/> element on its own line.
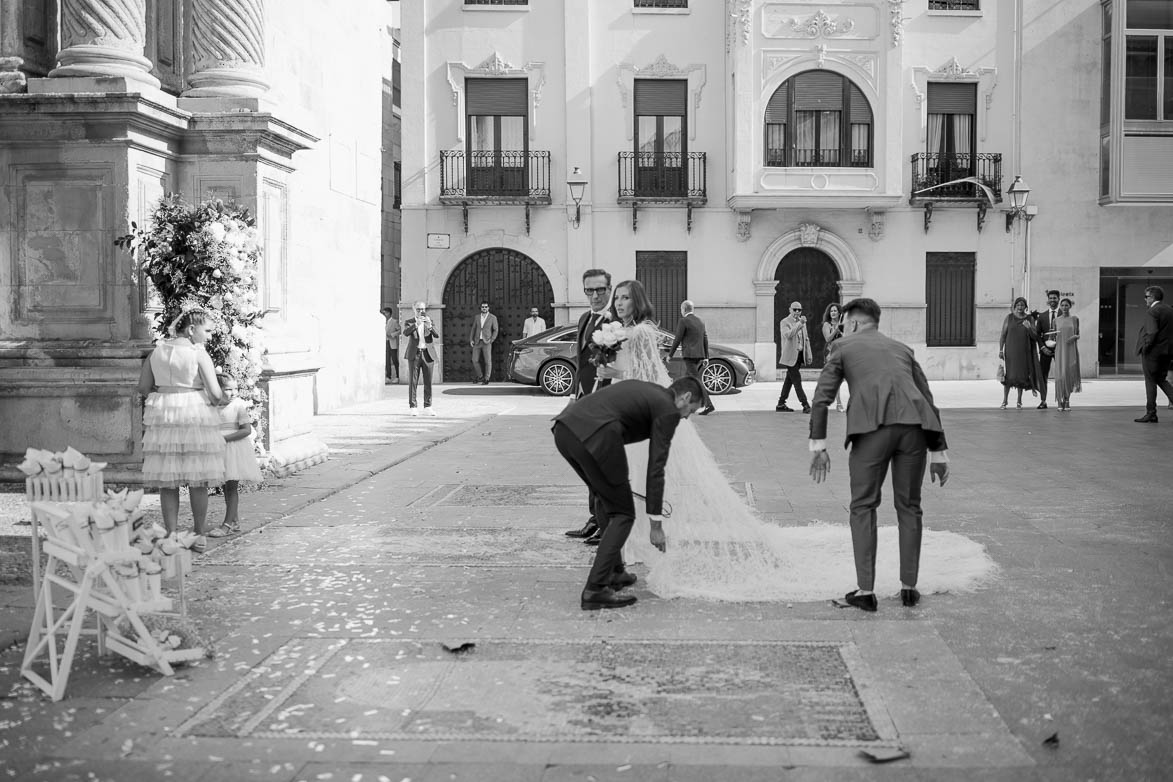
<point x="747" y="153"/>
<point x="107" y="105"/>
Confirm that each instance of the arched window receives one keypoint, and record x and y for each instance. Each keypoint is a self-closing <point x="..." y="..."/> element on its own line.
<point x="818" y="118"/>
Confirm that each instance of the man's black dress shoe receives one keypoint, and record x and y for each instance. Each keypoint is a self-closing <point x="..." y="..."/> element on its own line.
<point x="593" y="600"/>
<point x="783" y="408"/>
<point x="1147" y="418"/>
<point x="707" y="410"/>
<point x="909" y="597"/>
<point x="806" y="408"/>
<point x="595" y="537"/>
<point x="622" y="580"/>
<point x="587" y="530"/>
<point x="866" y="602"/>
<point x="1042" y="406"/>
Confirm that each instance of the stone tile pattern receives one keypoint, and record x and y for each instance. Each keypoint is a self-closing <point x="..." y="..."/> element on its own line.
<point x="727" y="692"/>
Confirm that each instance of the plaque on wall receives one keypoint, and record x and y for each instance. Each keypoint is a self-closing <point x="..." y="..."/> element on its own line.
<point x="439" y="241"/>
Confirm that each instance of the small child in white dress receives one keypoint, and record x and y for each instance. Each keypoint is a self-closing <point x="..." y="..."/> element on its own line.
<point x="240" y="460"/>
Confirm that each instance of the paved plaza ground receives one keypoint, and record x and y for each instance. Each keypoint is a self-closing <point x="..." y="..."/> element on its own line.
<point x="409" y="611"/>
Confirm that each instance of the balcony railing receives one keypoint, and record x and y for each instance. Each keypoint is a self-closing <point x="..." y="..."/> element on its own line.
<point x="933" y="168"/>
<point x="668" y="177"/>
<point x="661" y="3"/>
<point x="505" y="176"/>
<point x="857" y="158"/>
<point x="954" y="5"/>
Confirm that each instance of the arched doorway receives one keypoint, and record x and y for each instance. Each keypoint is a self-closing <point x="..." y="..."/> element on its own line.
<point x="808" y="276"/>
<point x="512" y="283"/>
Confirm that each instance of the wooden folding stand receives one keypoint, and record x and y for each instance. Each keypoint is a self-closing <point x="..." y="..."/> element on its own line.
<point x="57" y="488"/>
<point x="93" y="585"/>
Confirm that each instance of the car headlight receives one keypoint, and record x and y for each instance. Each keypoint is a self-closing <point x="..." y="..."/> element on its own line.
<point x="522" y="351"/>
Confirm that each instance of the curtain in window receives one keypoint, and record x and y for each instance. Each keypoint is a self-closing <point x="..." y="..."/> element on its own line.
<point x="804" y="138"/>
<point x="936" y="137"/>
<point x="860" y="138"/>
<point x="776" y="144"/>
<point x="512" y="141"/>
<point x="829" y="138"/>
<point x="482" y="140"/>
<point x="962" y="133"/>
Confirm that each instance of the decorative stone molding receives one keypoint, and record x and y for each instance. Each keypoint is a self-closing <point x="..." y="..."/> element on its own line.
<point x="740" y="23"/>
<point x="808" y="234"/>
<point x="12" y="78"/>
<point x="896" y="17"/>
<point x="820" y="55"/>
<point x="662" y="69"/>
<point x="875" y="223"/>
<point x="227" y="49"/>
<point x="820" y="25"/>
<point x="104" y="38"/>
<point x="743" y="220"/>
<point x="778" y="66"/>
<point x="496" y="66"/>
<point x="833" y="245"/>
<point x="985" y="78"/>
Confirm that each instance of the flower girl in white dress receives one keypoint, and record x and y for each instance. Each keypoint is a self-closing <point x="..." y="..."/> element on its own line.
<point x="240" y="459"/>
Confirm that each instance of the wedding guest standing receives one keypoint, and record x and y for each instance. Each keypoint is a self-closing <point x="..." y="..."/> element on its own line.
<point x="534" y="324"/>
<point x="693" y="340"/>
<point x="1066" y="349"/>
<point x="420" y="356"/>
<point x="832" y="330"/>
<point x="393" y="331"/>
<point x="796" y="351"/>
<point x="1045" y="324"/>
<point x="1016" y="347"/>
<point x="1155" y="348"/>
<point x="481" y="339"/>
<point x="240" y="458"/>
<point x="182" y="445"/>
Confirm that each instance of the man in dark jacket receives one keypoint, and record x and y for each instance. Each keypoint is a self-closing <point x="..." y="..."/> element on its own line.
<point x="590" y="435"/>
<point x="694" y="341"/>
<point x="1155" y="348"/>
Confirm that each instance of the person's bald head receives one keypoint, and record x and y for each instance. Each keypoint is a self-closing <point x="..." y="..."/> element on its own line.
<point x="685" y="307"/>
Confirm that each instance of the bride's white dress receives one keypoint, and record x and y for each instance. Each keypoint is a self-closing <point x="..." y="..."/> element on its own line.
<point x="718" y="549"/>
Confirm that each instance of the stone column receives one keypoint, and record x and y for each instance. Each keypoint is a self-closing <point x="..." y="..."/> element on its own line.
<point x="104" y="38"/>
<point x="227" y="49"/>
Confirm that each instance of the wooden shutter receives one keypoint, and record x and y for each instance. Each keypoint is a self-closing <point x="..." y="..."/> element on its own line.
<point x="664" y="275"/>
<point x="952" y="98"/>
<point x="818" y="91"/>
<point x="776" y="108"/>
<point x="949" y="294"/>
<point x="661" y="97"/>
<point x="496" y="97"/>
<point x="861" y="110"/>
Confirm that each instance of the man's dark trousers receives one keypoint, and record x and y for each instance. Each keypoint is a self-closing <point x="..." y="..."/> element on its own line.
<point x="904" y="447"/>
<point x="793" y="378"/>
<point x="1156" y="375"/>
<point x="420" y="367"/>
<point x="614" y="503"/>
<point x="692" y="366"/>
<point x="1045" y="367"/>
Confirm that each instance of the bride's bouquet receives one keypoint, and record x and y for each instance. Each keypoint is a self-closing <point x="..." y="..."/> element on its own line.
<point x="606" y="343"/>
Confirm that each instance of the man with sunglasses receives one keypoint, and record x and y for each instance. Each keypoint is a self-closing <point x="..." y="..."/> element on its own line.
<point x="596" y="284"/>
<point x="795" y="351"/>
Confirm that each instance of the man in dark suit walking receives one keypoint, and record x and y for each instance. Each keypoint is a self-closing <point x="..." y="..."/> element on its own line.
<point x="590" y="435"/>
<point x="596" y="284"/>
<point x="692" y="337"/>
<point x="1155" y="348"/>
<point x="891" y="420"/>
<point x="1045" y="329"/>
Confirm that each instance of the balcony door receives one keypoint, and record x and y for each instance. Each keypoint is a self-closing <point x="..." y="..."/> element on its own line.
<point x="661" y="124"/>
<point x="498" y="140"/>
<point x="950" y="136"/>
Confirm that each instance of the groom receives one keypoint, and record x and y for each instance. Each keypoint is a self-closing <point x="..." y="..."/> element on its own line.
<point x="590" y="435"/>
<point x="891" y="421"/>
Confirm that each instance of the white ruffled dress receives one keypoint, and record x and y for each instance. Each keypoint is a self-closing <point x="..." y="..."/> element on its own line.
<point x="240" y="456"/>
<point x="182" y="444"/>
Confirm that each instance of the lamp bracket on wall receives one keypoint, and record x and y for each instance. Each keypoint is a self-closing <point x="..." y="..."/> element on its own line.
<point x="464" y="209"/>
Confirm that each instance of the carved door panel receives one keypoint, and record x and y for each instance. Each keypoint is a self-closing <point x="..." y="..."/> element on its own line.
<point x="810" y="277"/>
<point x="512" y="283"/>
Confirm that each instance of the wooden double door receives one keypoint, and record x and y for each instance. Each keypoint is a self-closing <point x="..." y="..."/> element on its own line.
<point x="512" y="283"/>
<point x="810" y="277"/>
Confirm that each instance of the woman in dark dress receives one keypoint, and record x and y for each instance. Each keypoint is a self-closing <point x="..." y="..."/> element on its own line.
<point x="1018" y="348"/>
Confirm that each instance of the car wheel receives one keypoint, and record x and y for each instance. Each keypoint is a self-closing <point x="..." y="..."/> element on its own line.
<point x="557" y="378"/>
<point x="717" y="377"/>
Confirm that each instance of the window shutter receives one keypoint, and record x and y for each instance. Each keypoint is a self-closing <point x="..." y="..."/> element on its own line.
<point x="949" y="295"/>
<point x="664" y="275"/>
<point x="952" y="98"/>
<point x="661" y="97"/>
<point x="861" y="110"/>
<point x="496" y="97"/>
<point x="776" y="108"/>
<point x="818" y="91"/>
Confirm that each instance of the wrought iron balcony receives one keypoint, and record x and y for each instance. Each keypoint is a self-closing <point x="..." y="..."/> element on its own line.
<point x="930" y="169"/>
<point x="663" y="177"/>
<point x="505" y="177"/>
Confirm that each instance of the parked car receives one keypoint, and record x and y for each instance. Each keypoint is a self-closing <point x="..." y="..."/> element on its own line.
<point x="548" y="360"/>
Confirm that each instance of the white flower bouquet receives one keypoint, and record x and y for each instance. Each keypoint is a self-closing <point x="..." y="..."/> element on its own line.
<point x="606" y="343"/>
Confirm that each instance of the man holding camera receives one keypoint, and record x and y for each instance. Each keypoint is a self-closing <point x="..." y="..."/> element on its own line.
<point x="795" y="351"/>
<point x="420" y="334"/>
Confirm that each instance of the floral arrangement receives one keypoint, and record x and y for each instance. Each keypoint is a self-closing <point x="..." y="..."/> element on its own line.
<point x="606" y="343"/>
<point x="65" y="464"/>
<point x="207" y="256"/>
<point x="173" y="633"/>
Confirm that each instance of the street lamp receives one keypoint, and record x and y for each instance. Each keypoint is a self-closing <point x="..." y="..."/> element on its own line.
<point x="1019" y="191"/>
<point x="577" y="185"/>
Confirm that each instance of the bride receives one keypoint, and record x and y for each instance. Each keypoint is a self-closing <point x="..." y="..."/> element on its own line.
<point x="718" y="548"/>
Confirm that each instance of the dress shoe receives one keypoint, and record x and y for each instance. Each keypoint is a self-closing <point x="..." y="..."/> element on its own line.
<point x="1042" y="406"/>
<point x="707" y="410"/>
<point x="484" y="382"/>
<point x="586" y="531"/>
<point x="594" y="539"/>
<point x="415" y="411"/>
<point x="806" y="409"/>
<point x="1147" y="418"/>
<point x="909" y="597"/>
<point x="593" y="600"/>
<point x="783" y="408"/>
<point x="866" y="602"/>
<point x="622" y="580"/>
<point x="429" y="411"/>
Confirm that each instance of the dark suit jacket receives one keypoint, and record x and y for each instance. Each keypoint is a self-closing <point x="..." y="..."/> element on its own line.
<point x="887" y="387"/>
<point x="623" y="413"/>
<point x="691" y="335"/>
<point x="1156" y="335"/>
<point x="586" y="370"/>
<point x="413" y="340"/>
<point x="1044" y="324"/>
